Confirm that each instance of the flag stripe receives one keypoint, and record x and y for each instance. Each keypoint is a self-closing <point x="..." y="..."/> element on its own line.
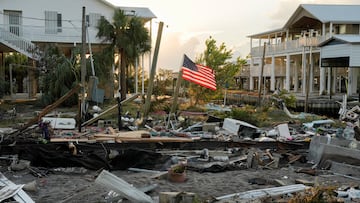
<point x="198" y="78"/>
<point x="199" y="74"/>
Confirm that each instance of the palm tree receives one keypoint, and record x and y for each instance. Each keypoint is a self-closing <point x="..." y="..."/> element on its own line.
<point x="129" y="37"/>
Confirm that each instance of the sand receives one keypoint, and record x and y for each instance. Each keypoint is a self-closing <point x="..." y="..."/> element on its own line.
<point x="60" y="186"/>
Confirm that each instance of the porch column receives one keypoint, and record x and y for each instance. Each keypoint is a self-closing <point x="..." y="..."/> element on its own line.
<point x="330" y="30"/>
<point x="287" y="38"/>
<point x="303" y="83"/>
<point x="261" y="76"/>
<point x="251" y="79"/>
<point x="352" y="82"/>
<point x="296" y="77"/>
<point x="339" y="84"/>
<point x="272" y="79"/>
<point x="311" y="74"/>
<point x="334" y="84"/>
<point x="322" y="80"/>
<point x="329" y="81"/>
<point x="251" y="85"/>
<point x="287" y="77"/>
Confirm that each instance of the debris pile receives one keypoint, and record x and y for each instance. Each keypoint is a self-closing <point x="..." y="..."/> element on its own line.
<point x="314" y="149"/>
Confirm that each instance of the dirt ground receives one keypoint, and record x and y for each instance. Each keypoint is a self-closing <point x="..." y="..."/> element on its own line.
<point x="78" y="184"/>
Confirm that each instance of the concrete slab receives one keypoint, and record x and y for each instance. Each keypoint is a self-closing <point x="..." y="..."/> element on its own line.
<point x="318" y="143"/>
<point x="345" y="169"/>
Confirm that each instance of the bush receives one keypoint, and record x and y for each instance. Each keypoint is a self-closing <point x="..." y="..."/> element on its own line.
<point x="244" y="115"/>
<point x="289" y="99"/>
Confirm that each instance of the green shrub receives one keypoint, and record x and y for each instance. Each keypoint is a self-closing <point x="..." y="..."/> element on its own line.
<point x="244" y="115"/>
<point x="288" y="98"/>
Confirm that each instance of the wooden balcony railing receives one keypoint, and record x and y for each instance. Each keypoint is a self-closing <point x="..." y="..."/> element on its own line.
<point x="288" y="47"/>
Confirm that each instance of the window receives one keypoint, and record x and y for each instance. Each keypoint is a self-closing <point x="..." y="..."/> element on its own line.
<point x="14" y="19"/>
<point x="59" y="22"/>
<point x="53" y="22"/>
<point x="92" y="19"/>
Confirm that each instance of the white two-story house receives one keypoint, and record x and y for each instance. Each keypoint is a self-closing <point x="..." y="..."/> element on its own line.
<point x="29" y="25"/>
<point x="317" y="51"/>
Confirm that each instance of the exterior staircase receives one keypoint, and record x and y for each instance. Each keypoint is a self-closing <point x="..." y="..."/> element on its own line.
<point x="19" y="44"/>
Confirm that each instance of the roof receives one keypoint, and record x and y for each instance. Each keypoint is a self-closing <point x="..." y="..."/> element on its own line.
<point x="333" y="13"/>
<point x="141" y="12"/>
<point x="265" y="34"/>
<point x="322" y="12"/>
<point x="326" y="13"/>
<point x="347" y="39"/>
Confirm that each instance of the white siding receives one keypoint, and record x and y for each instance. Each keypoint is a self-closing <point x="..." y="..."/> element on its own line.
<point x="355" y="56"/>
<point x="33" y="22"/>
<point x="332" y="51"/>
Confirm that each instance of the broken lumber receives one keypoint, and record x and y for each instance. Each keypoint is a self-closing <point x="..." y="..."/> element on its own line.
<point x="48" y="109"/>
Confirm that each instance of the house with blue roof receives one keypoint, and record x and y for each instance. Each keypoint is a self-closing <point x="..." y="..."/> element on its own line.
<point x="317" y="52"/>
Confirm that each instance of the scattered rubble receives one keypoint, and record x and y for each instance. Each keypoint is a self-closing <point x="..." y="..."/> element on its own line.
<point x="324" y="150"/>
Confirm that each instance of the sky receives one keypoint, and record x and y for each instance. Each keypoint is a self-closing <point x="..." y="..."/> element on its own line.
<point x="189" y="23"/>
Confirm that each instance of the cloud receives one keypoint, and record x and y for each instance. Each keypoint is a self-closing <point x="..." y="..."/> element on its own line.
<point x="172" y="48"/>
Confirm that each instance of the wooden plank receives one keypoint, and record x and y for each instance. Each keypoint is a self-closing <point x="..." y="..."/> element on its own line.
<point x="154" y="139"/>
<point x="120" y="186"/>
<point x="60" y="139"/>
<point x="99" y="135"/>
<point x="132" y="134"/>
<point x="49" y="108"/>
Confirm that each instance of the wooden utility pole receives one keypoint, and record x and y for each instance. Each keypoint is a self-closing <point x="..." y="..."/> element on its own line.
<point x="83" y="69"/>
<point x="176" y="93"/>
<point x="261" y="74"/>
<point x="153" y="71"/>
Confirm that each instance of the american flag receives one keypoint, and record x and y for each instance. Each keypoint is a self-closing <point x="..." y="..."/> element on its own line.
<point x="198" y="74"/>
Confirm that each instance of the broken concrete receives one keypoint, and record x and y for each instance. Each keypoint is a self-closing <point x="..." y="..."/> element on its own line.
<point x="324" y="148"/>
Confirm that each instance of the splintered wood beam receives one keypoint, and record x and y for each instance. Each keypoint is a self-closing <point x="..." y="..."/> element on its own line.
<point x="48" y="109"/>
